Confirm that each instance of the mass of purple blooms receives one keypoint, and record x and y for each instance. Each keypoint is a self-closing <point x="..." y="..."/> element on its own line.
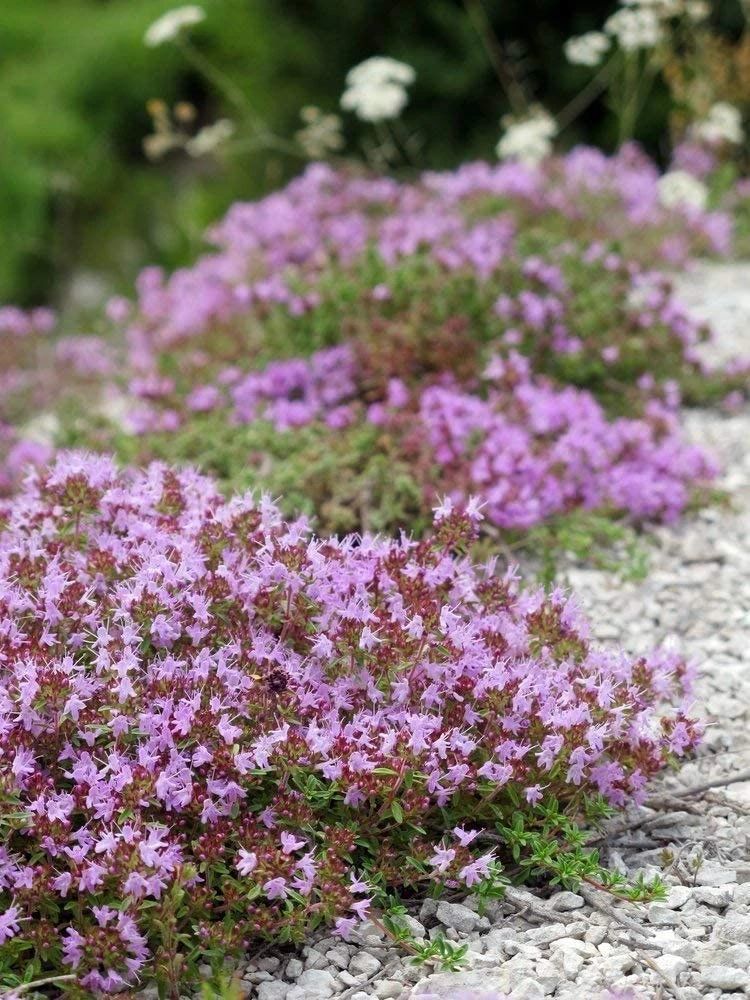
<point x="215" y="727"/>
<point x="517" y="385"/>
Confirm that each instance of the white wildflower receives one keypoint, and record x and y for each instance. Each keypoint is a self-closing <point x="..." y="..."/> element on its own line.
<point x="634" y="28"/>
<point x="530" y="140"/>
<point x="210" y="137"/>
<point x="697" y="10"/>
<point x="380" y="69"/>
<point x="376" y="88"/>
<point x="586" y="49"/>
<point x="723" y="123"/>
<point x="678" y="188"/>
<point x="321" y="134"/>
<point x="169" y="25"/>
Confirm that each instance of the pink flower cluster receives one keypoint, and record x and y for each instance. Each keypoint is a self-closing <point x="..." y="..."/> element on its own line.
<point x="355" y="263"/>
<point x="533" y="451"/>
<point x="213" y="724"/>
<point x="37" y="369"/>
<point x="273" y="253"/>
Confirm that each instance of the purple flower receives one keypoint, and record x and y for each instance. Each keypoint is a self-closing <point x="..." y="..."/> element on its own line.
<point x="290" y="843"/>
<point x="248" y="861"/>
<point x="9" y="923"/>
<point x="275" y="888"/>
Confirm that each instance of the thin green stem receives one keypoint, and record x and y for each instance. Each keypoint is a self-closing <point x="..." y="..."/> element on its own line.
<point x="224" y="84"/>
<point x="504" y="73"/>
<point x="49" y="981"/>
<point x="628" y="106"/>
<point x="577" y="105"/>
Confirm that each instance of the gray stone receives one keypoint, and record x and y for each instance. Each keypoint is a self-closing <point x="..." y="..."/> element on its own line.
<point x="414" y="926"/>
<point x="268" y="963"/>
<point x="595" y="935"/>
<point x="459" y="917"/>
<point x="317" y="983"/>
<point x="671" y="965"/>
<point x="617" y="963"/>
<point x="294" y="968"/>
<point x="724" y="977"/>
<point x="709" y="874"/>
<point x="274" y="990"/>
<point x="661" y="916"/>
<point x="736" y="954"/>
<point x="585" y="948"/>
<point x="547" y="933"/>
<point x="548" y="976"/>
<point x="571" y="962"/>
<point x="259" y="976"/>
<point x="564" y="902"/>
<point x="339" y="956"/>
<point x="715" y="896"/>
<point x="364" y="964"/>
<point x="315" y="959"/>
<point x="677" y="896"/>
<point x="388" y="988"/>
<point x="736" y="928"/>
<point x="448" y="984"/>
<point x="528" y="989"/>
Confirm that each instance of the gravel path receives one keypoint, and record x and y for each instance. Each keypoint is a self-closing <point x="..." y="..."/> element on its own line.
<point x="697" y="943"/>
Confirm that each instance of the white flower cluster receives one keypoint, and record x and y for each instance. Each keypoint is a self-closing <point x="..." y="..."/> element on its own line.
<point x="210" y="137"/>
<point x="321" y="133"/>
<point x="679" y="189"/>
<point x="169" y="25"/>
<point x="376" y="88"/>
<point x="529" y="140"/>
<point x="697" y="10"/>
<point x="586" y="49"/>
<point x="723" y="123"/>
<point x="634" y="27"/>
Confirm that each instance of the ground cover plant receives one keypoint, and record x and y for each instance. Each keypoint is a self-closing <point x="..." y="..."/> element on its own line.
<point x="216" y="728"/>
<point x="360" y="347"/>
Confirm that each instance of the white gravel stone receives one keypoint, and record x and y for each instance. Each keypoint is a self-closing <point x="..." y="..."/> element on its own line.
<point x="364" y="964"/>
<point x="724" y="977"/>
<point x="671" y="965"/>
<point x="564" y="902"/>
<point x="713" y="875"/>
<point x="736" y="928"/>
<point x="294" y="968"/>
<point x="677" y="896"/>
<point x="459" y="917"/>
<point x="415" y="927"/>
<point x="275" y="990"/>
<point x="339" y="956"/>
<point x="388" y="988"/>
<point x="317" y="983"/>
<point x="528" y="989"/>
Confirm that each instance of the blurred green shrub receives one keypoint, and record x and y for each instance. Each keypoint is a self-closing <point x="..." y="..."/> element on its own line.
<point x="75" y="77"/>
<point x="74" y="185"/>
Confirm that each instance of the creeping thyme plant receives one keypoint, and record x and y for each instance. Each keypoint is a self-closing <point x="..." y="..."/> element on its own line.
<point x="360" y="347"/>
<point x="216" y="728"/>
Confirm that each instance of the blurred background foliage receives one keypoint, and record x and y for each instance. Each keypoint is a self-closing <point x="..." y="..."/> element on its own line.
<point x="82" y="208"/>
